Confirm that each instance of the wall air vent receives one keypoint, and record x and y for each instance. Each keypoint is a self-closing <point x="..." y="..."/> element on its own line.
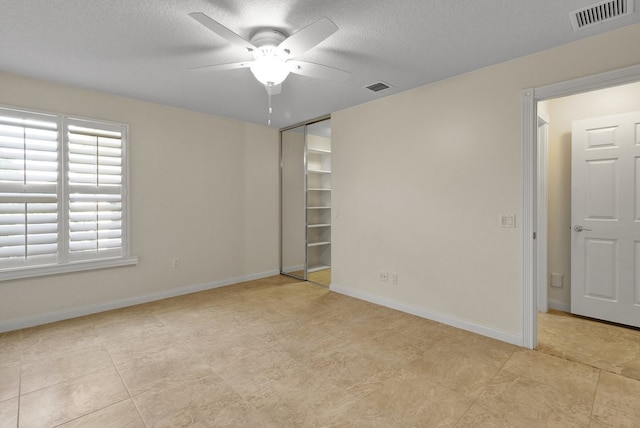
<point x="600" y="12"/>
<point x="378" y="86"/>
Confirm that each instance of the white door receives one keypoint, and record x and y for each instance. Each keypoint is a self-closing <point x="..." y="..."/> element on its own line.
<point x="605" y="214"/>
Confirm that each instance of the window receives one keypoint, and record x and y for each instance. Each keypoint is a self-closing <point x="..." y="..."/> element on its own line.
<point x="63" y="194"/>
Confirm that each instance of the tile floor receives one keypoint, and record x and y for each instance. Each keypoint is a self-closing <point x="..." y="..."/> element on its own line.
<point x="280" y="353"/>
<point x="607" y="346"/>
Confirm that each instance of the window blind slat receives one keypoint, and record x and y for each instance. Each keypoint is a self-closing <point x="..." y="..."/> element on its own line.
<point x="18" y="229"/>
<point x="42" y="249"/>
<point x="13" y="251"/>
<point x="102" y="225"/>
<point x="94" y="216"/>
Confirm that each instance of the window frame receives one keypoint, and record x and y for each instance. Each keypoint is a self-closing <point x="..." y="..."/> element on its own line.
<point x="63" y="263"/>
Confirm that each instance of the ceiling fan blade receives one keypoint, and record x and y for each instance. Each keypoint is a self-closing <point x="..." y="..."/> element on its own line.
<point x="222" y="31"/>
<point x="309" y="36"/>
<point x="318" y="71"/>
<point x="223" y="67"/>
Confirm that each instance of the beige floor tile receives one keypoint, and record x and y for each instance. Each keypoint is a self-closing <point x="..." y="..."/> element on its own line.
<point x="479" y="416"/>
<point x="358" y="419"/>
<point x="240" y="414"/>
<point x="9" y="413"/>
<point x="183" y="404"/>
<point x="412" y="402"/>
<point x="120" y="415"/>
<point x="519" y="398"/>
<point x="70" y="400"/>
<point x="350" y="370"/>
<point x="198" y="316"/>
<point x="10" y="348"/>
<point x="274" y="330"/>
<point x="602" y="345"/>
<point x="125" y="321"/>
<point x="57" y="339"/>
<point x="301" y="398"/>
<point x="394" y="348"/>
<point x="162" y="369"/>
<point x="42" y="373"/>
<point x="307" y="341"/>
<point x="133" y="345"/>
<point x="220" y="349"/>
<point x="9" y="382"/>
<point x="420" y="328"/>
<point x="570" y="377"/>
<point x="617" y="401"/>
<point x="631" y="371"/>
<point x="483" y="348"/>
<point x="256" y="375"/>
<point x="348" y="331"/>
<point x="464" y="375"/>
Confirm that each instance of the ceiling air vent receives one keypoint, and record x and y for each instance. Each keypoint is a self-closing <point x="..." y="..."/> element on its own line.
<point x="600" y="12"/>
<point x="378" y="86"/>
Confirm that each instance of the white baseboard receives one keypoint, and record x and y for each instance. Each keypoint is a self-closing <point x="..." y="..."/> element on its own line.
<point x="559" y="306"/>
<point x="513" y="339"/>
<point x="46" y="318"/>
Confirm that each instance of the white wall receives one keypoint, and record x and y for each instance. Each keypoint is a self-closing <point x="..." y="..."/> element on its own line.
<point x="421" y="177"/>
<point x="203" y="189"/>
<point x="561" y="113"/>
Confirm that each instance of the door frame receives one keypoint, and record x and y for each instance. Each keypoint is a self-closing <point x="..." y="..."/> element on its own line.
<point x="534" y="176"/>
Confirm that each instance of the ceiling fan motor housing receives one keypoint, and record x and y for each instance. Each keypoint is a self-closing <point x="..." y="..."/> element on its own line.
<point x="268" y="38"/>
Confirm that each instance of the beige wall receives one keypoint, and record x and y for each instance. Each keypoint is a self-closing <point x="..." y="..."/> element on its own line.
<point x="203" y="189"/>
<point x="420" y="179"/>
<point x="561" y="112"/>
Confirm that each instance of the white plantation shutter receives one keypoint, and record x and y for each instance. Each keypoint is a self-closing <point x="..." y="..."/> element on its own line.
<point x="29" y="186"/>
<point x="63" y="204"/>
<point x="95" y="187"/>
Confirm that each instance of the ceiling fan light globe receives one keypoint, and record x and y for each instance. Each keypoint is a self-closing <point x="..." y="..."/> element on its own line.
<point x="270" y="70"/>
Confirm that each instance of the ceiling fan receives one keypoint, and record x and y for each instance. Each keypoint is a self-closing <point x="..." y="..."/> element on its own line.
<point x="274" y="52"/>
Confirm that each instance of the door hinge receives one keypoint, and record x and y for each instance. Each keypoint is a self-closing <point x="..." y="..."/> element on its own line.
<point x="534" y="235"/>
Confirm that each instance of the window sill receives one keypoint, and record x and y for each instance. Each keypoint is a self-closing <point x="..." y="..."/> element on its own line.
<point x="34" y="271"/>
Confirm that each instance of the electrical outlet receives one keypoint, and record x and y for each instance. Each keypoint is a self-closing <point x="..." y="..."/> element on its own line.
<point x="394" y="278"/>
<point x="383" y="277"/>
<point x="176" y="263"/>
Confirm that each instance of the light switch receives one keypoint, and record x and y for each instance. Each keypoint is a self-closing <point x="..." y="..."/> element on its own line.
<point x="508" y="220"/>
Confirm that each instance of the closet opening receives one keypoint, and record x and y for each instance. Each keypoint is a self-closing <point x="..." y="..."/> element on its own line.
<point x="305" y="201"/>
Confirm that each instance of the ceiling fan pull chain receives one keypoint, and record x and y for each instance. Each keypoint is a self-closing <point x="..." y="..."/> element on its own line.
<point x="269" y="86"/>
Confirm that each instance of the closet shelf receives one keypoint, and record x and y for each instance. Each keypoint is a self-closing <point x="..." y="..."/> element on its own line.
<point x="319" y="151"/>
<point x="318" y="244"/>
<point x="312" y="226"/>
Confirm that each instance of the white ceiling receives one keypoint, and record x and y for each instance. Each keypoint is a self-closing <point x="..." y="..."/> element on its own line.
<point x="144" y="48"/>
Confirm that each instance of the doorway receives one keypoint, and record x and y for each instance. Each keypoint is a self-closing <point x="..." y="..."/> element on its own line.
<point x="536" y="275"/>
<point x="305" y="201"/>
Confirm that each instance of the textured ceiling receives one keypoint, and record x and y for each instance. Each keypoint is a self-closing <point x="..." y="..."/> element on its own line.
<point x="144" y="48"/>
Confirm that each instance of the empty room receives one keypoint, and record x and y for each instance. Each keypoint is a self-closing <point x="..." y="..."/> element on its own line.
<point x="319" y="214"/>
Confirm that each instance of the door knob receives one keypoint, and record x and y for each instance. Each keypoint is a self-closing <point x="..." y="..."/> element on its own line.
<point x="579" y="228"/>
